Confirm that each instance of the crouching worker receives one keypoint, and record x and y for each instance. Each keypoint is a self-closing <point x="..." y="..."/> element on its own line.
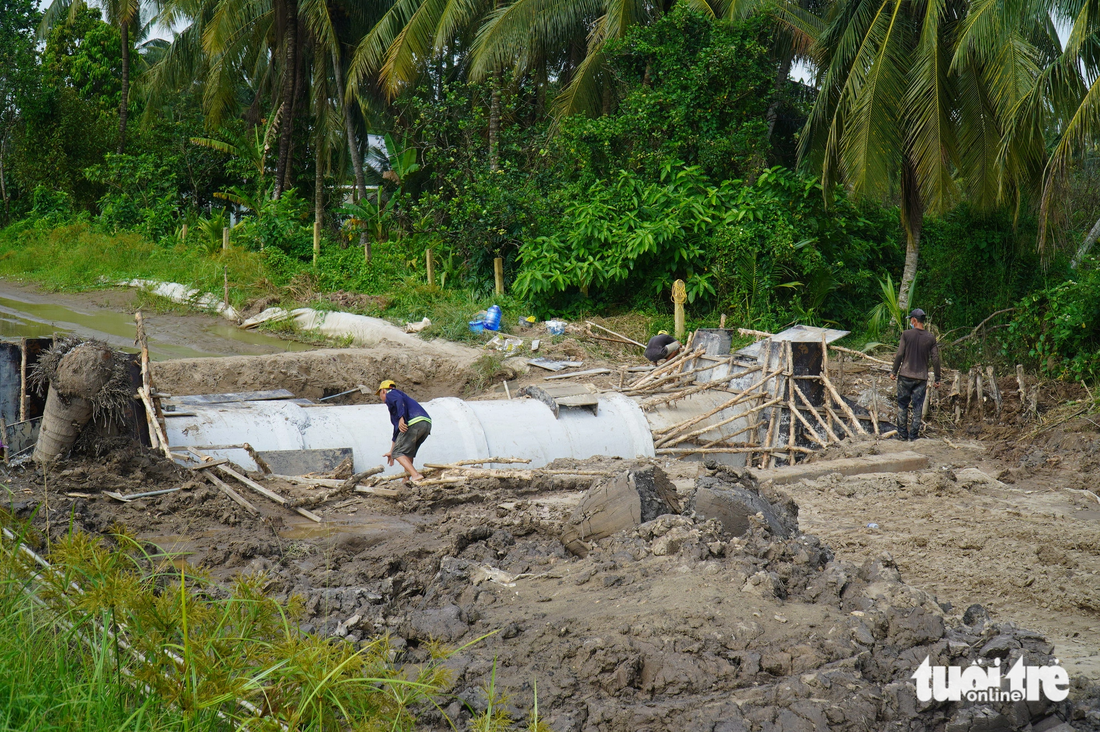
<point x="661" y="346"/>
<point x="411" y="426"/>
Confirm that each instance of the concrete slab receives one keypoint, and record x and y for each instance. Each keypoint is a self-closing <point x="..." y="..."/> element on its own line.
<point x="894" y="462"/>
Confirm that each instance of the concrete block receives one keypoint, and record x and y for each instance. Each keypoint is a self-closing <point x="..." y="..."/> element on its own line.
<point x="894" y="462"/>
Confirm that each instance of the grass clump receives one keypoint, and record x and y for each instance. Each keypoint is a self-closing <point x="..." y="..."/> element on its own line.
<point x="107" y="639"/>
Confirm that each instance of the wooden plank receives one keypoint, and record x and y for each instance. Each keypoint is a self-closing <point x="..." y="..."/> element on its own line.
<point x="259" y="488"/>
<point x="229" y="397"/>
<point x="589" y="372"/>
<point x="233" y="495"/>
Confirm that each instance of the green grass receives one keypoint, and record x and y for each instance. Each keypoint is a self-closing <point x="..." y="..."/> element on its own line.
<point x="197" y="650"/>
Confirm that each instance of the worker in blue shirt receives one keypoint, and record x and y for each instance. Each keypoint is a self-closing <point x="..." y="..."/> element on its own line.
<point x="411" y="426"/>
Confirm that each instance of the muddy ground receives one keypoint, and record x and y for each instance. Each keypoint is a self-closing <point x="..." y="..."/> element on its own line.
<point x="991" y="552"/>
<point x="674" y="625"/>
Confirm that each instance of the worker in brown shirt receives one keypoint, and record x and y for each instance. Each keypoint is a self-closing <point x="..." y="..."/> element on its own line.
<point x="917" y="349"/>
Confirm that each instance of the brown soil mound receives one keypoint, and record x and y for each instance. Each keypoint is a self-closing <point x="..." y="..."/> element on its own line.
<point x="671" y="625"/>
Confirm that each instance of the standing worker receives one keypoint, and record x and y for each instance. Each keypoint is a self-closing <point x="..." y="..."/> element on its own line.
<point x="411" y="426"/>
<point x="661" y="346"/>
<point x="910" y="370"/>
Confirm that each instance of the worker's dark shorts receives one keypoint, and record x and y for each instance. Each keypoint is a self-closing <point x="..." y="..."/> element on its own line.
<point x="407" y="443"/>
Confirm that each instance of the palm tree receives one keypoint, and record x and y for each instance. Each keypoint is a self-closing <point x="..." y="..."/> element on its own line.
<point x="1062" y="95"/>
<point x="902" y="107"/>
<point x="526" y="33"/>
<point x="124" y="15"/>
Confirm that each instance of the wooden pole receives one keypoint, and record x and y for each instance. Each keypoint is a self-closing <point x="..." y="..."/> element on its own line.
<point x="225" y="238"/>
<point x="316" y="241"/>
<point x="23" y="381"/>
<point x="590" y="324"/>
<point x="722" y="321"/>
<point x="843" y="405"/>
<point x="790" y="400"/>
<point x="225" y="276"/>
<point x="679" y="297"/>
<point x="994" y="390"/>
<point x="498" y="274"/>
<point x="874" y="405"/>
<point x="430" y="263"/>
<point x="183" y="234"/>
<point x="157" y="436"/>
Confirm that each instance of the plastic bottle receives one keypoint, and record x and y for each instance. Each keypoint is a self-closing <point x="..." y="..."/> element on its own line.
<point x="492" y="318"/>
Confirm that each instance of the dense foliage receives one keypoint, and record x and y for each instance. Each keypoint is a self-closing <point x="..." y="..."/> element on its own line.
<point x="694" y="159"/>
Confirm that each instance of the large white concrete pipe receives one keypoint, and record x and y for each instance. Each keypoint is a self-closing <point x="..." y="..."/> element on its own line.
<point x="522" y="428"/>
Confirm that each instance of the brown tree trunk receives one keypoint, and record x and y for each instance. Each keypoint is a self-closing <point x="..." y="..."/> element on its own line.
<point x="494" y="124"/>
<point x="124" y="105"/>
<point x="353" y="146"/>
<point x="299" y="87"/>
<point x="286" y="108"/>
<point x="912" y="221"/>
<point x="3" y="186"/>
<point x="777" y="93"/>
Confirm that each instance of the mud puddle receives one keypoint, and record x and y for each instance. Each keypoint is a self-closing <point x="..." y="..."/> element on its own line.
<point x="26" y="313"/>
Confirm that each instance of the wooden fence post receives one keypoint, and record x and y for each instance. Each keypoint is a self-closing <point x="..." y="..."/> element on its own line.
<point x="225" y="238"/>
<point x="431" y="267"/>
<point x="498" y="274"/>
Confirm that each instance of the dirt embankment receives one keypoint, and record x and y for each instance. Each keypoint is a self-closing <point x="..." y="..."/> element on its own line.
<point x="317" y="374"/>
<point x="674" y="624"/>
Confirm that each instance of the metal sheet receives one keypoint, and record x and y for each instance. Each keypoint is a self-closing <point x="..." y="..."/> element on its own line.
<point x="304" y="462"/>
<point x="19" y="438"/>
<point x="244" y="396"/>
<point x="11" y="357"/>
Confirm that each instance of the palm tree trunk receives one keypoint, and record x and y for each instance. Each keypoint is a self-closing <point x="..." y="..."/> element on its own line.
<point x="3" y="187"/>
<point x="912" y="221"/>
<point x="777" y="93"/>
<point x="286" y="108"/>
<point x="124" y="105"/>
<point x="353" y="147"/>
<point x="494" y="124"/>
<point x="1079" y="257"/>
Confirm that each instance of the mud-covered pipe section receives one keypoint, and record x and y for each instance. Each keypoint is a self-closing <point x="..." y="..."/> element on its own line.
<point x="461" y="430"/>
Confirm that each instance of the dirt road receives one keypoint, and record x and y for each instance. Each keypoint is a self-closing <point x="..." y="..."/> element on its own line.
<point x="107" y="315"/>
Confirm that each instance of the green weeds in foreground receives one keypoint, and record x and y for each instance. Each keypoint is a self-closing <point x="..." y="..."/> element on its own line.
<point x="110" y="641"/>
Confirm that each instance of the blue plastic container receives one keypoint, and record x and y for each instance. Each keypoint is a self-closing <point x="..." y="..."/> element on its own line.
<point x="492" y="318"/>
<point x="477" y="326"/>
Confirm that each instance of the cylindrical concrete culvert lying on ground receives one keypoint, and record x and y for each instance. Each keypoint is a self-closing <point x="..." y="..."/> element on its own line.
<point x="461" y="430"/>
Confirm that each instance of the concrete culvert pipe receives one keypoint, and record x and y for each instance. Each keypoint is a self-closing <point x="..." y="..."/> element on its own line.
<point x="80" y="375"/>
<point x="522" y="428"/>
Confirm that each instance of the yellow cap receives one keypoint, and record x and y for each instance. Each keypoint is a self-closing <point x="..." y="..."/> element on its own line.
<point x="662" y="332"/>
<point x="387" y="384"/>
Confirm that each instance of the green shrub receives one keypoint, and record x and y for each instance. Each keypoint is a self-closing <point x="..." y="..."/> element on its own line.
<point x="1057" y="329"/>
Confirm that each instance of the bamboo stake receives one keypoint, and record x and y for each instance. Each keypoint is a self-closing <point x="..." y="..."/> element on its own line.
<point x="839" y="421"/>
<point x="810" y="433"/>
<point x="790" y="402"/>
<point x="828" y="430"/>
<point x="707" y="428"/>
<point x="224" y="488"/>
<point x="146" y="385"/>
<point x="843" y="405"/>
<point x="662" y="369"/>
<point x="741" y="396"/>
<point x="760" y="333"/>
<point x="724" y="439"/>
<point x="757" y="448"/>
<point x="655" y="385"/>
<point x="849" y="351"/>
<point x="874" y="405"/>
<point x="994" y="390"/>
<point x="257" y="487"/>
<point x="23" y="381"/>
<point x="617" y="335"/>
<point x="651" y="403"/>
